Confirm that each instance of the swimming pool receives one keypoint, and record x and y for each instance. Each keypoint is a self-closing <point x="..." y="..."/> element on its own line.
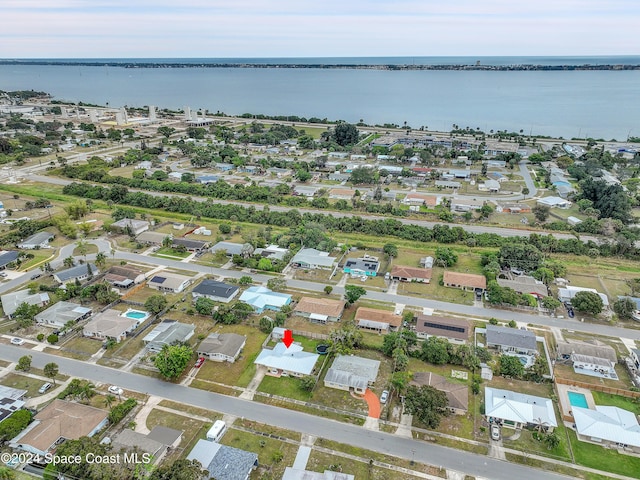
<point x="136" y="314"/>
<point x="577" y="400"/>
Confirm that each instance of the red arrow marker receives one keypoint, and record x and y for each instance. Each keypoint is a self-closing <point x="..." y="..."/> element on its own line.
<point x="288" y="338"/>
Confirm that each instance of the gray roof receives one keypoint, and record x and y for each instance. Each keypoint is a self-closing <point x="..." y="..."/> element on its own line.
<point x="62" y="312"/>
<point x="311" y="256"/>
<point x="187" y="243"/>
<point x="215" y="289"/>
<point x="75" y="272"/>
<point x="11" y="301"/>
<point x="230" y="247"/>
<point x="37" y="238"/>
<point x="223" y="462"/>
<point x="228" y="344"/>
<point x="511" y="337"/>
<point x="523" y="285"/>
<point x="152" y="237"/>
<point x="168" y="332"/>
<point x="130" y="222"/>
<point x="353" y="371"/>
<point x="7" y="257"/>
<point x="598" y="350"/>
<point x="366" y="265"/>
<point x="128" y="439"/>
<point x="11" y="399"/>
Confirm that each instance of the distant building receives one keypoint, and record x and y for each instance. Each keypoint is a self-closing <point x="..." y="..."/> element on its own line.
<point x="36" y="241"/>
<point x="61" y="313"/>
<point x="79" y="272"/>
<point x="126" y="225"/>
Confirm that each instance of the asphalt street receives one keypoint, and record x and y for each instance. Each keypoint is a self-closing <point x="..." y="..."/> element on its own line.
<point x="479" y="466"/>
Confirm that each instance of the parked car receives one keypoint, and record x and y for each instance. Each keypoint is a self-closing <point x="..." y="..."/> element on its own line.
<point x="3" y="274"/>
<point x="571" y="313"/>
<point x="199" y="362"/>
<point x="44" y="388"/>
<point x="384" y="397"/>
<point x="495" y="431"/>
<point x="115" y="390"/>
<point x="35" y="276"/>
<point x="17" y="341"/>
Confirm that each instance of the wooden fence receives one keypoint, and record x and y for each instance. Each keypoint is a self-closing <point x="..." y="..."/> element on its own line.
<point x="599" y="388"/>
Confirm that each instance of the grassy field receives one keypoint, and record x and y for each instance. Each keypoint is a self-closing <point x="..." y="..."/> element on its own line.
<point x="170" y="252"/>
<point x="284" y="387"/>
<point x="595" y="456"/>
<point x="607" y="399"/>
<point x="31" y="385"/>
<point x="320" y="461"/>
<point x="192" y="429"/>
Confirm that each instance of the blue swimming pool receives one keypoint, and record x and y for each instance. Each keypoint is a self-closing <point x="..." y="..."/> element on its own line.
<point x="577" y="400"/>
<point x="136" y="314"/>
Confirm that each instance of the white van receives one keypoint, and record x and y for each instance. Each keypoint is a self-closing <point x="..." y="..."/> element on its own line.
<point x="217" y="431"/>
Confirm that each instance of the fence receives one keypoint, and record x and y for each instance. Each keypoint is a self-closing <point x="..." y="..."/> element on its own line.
<point x="599" y="388"/>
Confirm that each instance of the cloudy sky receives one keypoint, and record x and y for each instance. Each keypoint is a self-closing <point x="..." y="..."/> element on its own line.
<point x="302" y="28"/>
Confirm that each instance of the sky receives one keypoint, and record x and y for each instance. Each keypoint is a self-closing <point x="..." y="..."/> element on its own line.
<point x="321" y="28"/>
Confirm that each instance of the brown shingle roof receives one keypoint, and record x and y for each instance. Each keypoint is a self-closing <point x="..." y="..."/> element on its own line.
<point x="62" y="419"/>
<point x="465" y="279"/>
<point x="126" y="272"/>
<point x="456" y="323"/>
<point x="371" y="314"/>
<point x="322" y="306"/>
<point x="410" y="272"/>
<point x="430" y="200"/>
<point x="457" y="394"/>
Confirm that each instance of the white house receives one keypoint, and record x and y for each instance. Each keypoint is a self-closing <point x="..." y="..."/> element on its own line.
<point x="36" y="241"/>
<point x="611" y="427"/>
<point x="283" y="361"/>
<point x="517" y="410"/>
<point x="222" y="347"/>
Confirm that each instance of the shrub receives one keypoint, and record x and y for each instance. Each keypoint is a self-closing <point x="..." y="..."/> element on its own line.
<point x="118" y="412"/>
<point x="40" y="337"/>
<point x="53" y="338"/>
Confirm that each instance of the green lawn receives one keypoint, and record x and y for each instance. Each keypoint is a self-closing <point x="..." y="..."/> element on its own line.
<point x="284" y="387"/>
<point x="191" y="427"/>
<point x="171" y="252"/>
<point x="31" y="385"/>
<point x="595" y="456"/>
<point x="616" y="401"/>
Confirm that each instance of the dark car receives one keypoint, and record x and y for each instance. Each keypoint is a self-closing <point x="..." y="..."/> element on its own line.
<point x="35" y="276"/>
<point x="571" y="313"/>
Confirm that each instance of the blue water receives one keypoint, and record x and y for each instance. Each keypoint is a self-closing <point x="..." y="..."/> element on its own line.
<point x="136" y="314"/>
<point x="577" y="400"/>
<point x="599" y="104"/>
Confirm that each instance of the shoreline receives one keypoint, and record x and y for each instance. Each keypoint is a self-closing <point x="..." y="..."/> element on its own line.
<point x="331" y="66"/>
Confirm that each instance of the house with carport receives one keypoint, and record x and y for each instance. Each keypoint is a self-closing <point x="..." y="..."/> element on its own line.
<point x="465" y="281"/>
<point x="380" y="321"/>
<point x="320" y="310"/>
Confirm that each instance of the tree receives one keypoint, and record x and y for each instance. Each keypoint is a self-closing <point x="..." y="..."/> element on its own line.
<point x="205" y="306"/>
<point x="245" y="280"/>
<point x="551" y="440"/>
<point x="427" y="404"/>
<point x="346" y="338"/>
<point x="391" y="250"/>
<point x="166" y="131"/>
<point x="14" y="424"/>
<point x="308" y="383"/>
<point x="277" y="284"/>
<point x="266" y="324"/>
<point x="7" y="473"/>
<point x="510" y="366"/>
<point x="610" y="200"/>
<point x="24" y="363"/>
<point x="25" y="314"/>
<point x="624" y="308"/>
<point x="328" y="289"/>
<point x="101" y="259"/>
<point x="435" y="350"/>
<point x="155" y="304"/>
<point x="224" y="228"/>
<point x="587" y="302"/>
<point x="519" y="256"/>
<point x="541" y="212"/>
<point x="51" y="371"/>
<point x="525" y="191"/>
<point x="345" y="134"/>
<point x="69" y="262"/>
<point x="352" y="293"/>
<point x="181" y="469"/>
<point x="445" y="256"/>
<point x="550" y="303"/>
<point x="172" y="360"/>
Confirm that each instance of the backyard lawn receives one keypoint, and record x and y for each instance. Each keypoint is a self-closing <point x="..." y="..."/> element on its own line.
<point x="595" y="456"/>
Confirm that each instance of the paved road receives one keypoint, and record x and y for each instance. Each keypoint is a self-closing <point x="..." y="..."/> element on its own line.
<point x="502" y="231"/>
<point x="524" y="171"/>
<point x="478" y="465"/>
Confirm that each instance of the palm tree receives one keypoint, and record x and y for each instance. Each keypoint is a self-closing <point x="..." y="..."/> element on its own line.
<point x="51" y="371"/>
<point x="101" y="259"/>
<point x="87" y="391"/>
<point x="108" y="400"/>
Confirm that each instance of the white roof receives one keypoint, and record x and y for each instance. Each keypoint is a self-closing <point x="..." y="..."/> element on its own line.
<point x="291" y="359"/>
<point x="11" y="301"/>
<point x="519" y="407"/>
<point x="552" y="201"/>
<point x="608" y="423"/>
<point x="259" y="297"/>
<point x="311" y="256"/>
<point x="569" y="292"/>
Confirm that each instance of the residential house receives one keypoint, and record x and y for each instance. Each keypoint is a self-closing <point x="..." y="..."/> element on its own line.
<point x="36" y="241"/>
<point x="216" y="291"/>
<point x="554" y="202"/>
<point x="320" y="310"/>
<point x="498" y="177"/>
<point x="351" y="373"/>
<point x="511" y="340"/>
<point x="489" y="185"/>
<point x="392" y="169"/>
<point x="128" y="225"/>
<point x="364" y="266"/>
<point x="223" y="462"/>
<point x="205" y="179"/>
<point x="466" y="204"/>
<point x="11" y="400"/>
<point x="7" y="257"/>
<point x="110" y="325"/>
<point x="515" y="208"/>
<point x="518" y="410"/>
<point x="232" y="248"/>
<point x="279" y="172"/>
<point x="611" y="427"/>
<point x="250" y="169"/>
<point x="59" y="421"/>
<point x="341" y="193"/>
<point x="310" y="258"/>
<point x="61" y="313"/>
<point x="447" y="184"/>
<point x="411" y="274"/>
<point x="525" y="284"/>
<point x="339" y="177"/>
<point x="305" y="190"/>
<point x="272" y="252"/>
<point x="594" y="359"/>
<point x="169" y="282"/>
<point x="455" y="330"/>
<point x="457" y="393"/>
<point x="461" y="174"/>
<point x="79" y="272"/>
<point x="191" y="245"/>
<point x="166" y="333"/>
<point x="283" y="361"/>
<point x="124" y="276"/>
<point x="167" y="436"/>
<point x="292" y="473"/>
<point x="566" y="294"/>
<point x="380" y="321"/>
<point x="573" y="221"/>
<point x="420" y="199"/>
<point x="492" y="149"/>
<point x="261" y="299"/>
<point x="11" y="301"/>
<point x="129" y="439"/>
<point x="465" y="281"/>
<point x="636" y="313"/>
<point x="224" y="167"/>
<point x="152" y="238"/>
<point x="222" y="347"/>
